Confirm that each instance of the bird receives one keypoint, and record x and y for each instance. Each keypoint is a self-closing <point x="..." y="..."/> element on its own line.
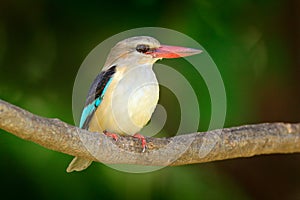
<point x="124" y="95"/>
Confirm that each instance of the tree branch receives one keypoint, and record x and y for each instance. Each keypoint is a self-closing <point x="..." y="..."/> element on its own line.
<point x="243" y="141"/>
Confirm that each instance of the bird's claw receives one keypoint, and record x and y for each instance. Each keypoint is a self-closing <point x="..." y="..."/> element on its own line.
<point x="143" y="140"/>
<point x="137" y="135"/>
<point x="112" y="135"/>
<point x="144" y="148"/>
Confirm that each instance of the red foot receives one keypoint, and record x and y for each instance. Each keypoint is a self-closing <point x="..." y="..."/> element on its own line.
<point x="143" y="140"/>
<point x="112" y="135"/>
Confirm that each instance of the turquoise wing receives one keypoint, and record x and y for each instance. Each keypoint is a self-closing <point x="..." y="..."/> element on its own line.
<point x="96" y="94"/>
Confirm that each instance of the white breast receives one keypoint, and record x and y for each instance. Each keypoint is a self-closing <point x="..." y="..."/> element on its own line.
<point x="130" y="102"/>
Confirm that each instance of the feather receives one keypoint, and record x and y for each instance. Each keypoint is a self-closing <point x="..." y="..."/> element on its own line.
<point x="95" y="95"/>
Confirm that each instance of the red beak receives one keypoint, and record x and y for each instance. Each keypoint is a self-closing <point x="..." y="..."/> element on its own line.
<point x="165" y="51"/>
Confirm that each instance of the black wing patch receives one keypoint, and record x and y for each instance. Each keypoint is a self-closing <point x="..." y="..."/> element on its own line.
<point x="95" y="95"/>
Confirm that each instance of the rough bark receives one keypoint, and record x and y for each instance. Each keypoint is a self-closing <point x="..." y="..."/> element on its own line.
<point x="227" y="143"/>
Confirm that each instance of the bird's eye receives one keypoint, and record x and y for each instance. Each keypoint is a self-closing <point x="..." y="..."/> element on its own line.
<point x="142" y="48"/>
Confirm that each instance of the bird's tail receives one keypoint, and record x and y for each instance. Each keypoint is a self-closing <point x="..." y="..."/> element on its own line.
<point x="78" y="164"/>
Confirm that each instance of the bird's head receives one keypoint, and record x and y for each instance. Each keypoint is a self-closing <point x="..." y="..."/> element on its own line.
<point x="144" y="50"/>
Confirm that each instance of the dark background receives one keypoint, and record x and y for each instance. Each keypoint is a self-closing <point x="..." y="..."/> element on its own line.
<point x="254" y="43"/>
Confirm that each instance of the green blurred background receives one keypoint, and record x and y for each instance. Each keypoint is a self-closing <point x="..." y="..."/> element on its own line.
<point x="255" y="45"/>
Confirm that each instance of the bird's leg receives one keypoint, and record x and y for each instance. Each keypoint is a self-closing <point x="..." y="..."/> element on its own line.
<point x="112" y="135"/>
<point x="143" y="140"/>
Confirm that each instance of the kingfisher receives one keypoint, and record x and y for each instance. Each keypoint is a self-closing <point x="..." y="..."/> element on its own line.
<point x="124" y="95"/>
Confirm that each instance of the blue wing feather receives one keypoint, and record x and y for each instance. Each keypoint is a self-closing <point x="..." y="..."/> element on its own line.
<point x="87" y="111"/>
<point x="95" y="96"/>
